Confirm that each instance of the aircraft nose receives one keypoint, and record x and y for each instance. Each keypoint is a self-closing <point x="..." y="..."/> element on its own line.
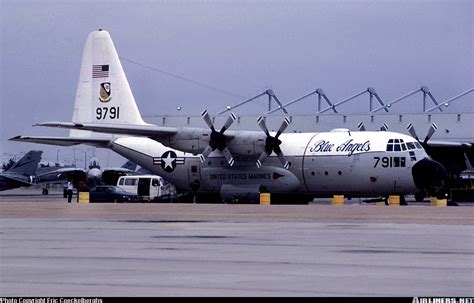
<point x="95" y="174"/>
<point x="429" y="175"/>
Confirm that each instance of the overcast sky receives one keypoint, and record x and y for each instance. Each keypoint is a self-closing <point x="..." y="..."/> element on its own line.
<point x="238" y="47"/>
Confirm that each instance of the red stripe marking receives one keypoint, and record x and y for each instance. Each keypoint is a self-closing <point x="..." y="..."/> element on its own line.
<point x="302" y="162"/>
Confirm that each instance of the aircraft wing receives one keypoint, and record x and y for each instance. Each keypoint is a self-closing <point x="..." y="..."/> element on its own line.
<point x="455" y="156"/>
<point x="62" y="141"/>
<point x="434" y="143"/>
<point x="111" y="175"/>
<point x="121" y="170"/>
<point x="61" y="175"/>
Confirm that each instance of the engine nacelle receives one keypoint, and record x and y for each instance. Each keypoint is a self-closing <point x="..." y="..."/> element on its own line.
<point x="194" y="142"/>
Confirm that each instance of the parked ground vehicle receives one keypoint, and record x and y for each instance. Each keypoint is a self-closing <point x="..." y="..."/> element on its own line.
<point x="462" y="187"/>
<point x="147" y="187"/>
<point x="110" y="193"/>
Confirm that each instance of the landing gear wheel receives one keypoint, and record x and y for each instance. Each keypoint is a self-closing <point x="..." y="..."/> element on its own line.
<point x="402" y="200"/>
<point x="45" y="191"/>
<point x="420" y="196"/>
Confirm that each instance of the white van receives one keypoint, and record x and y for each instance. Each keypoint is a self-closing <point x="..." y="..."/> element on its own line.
<point x="147" y="187"/>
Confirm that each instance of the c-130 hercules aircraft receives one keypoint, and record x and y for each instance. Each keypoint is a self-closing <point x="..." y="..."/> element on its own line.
<point x="238" y="164"/>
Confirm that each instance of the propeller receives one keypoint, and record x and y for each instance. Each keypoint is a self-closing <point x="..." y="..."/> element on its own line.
<point x="429" y="175"/>
<point x="217" y="140"/>
<point x="272" y="144"/>
<point x="431" y="131"/>
<point x="361" y="127"/>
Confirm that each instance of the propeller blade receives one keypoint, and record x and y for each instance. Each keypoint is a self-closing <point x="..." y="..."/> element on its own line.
<point x="283" y="126"/>
<point x="263" y="125"/>
<point x="205" y="153"/>
<point x="431" y="131"/>
<point x="262" y="158"/>
<point x="411" y="130"/>
<point x="283" y="161"/>
<point x="228" y="122"/>
<point x="282" y="158"/>
<point x="228" y="156"/>
<point x="207" y="118"/>
<point x="361" y="126"/>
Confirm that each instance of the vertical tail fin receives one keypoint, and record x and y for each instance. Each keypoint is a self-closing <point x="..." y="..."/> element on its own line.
<point x="130" y="165"/>
<point x="28" y="164"/>
<point x="103" y="93"/>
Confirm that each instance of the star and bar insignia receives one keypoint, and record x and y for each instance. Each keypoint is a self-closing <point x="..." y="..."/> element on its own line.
<point x="168" y="161"/>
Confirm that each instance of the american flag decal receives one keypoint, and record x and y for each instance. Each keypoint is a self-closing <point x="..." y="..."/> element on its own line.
<point x="100" y="71"/>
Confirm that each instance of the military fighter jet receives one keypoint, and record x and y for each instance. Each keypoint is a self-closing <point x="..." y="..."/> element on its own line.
<point x="22" y="172"/>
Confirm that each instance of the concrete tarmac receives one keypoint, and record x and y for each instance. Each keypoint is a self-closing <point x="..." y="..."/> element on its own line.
<point x="52" y="248"/>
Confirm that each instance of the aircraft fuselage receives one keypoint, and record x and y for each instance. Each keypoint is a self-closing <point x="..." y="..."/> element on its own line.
<point x="351" y="163"/>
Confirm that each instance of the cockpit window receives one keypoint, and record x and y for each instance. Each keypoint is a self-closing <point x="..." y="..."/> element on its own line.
<point x="418" y="145"/>
<point x="399" y="145"/>
<point x="411" y="145"/>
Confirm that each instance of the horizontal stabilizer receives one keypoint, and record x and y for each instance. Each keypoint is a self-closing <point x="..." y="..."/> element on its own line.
<point x="62" y="141"/>
<point x="10" y="181"/>
<point x="118" y="129"/>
